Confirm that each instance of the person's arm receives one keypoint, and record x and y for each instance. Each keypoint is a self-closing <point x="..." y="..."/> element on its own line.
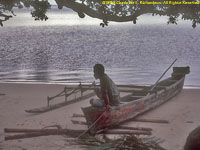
<point x="106" y="100"/>
<point x="104" y="91"/>
<point x="98" y="93"/>
<point x="97" y="90"/>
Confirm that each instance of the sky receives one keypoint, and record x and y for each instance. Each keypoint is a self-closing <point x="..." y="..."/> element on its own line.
<point x="52" y="2"/>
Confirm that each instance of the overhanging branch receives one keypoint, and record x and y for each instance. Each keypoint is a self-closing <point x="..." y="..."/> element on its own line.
<point x="81" y="8"/>
<point x="6" y="17"/>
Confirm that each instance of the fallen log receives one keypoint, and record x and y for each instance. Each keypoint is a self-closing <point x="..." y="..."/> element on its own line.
<point x="116" y="127"/>
<point x="130" y="132"/>
<point x="78" y="122"/>
<point x="135" y="119"/>
<point x="15" y="130"/>
<point x="29" y="133"/>
<point x="134" y="128"/>
<point x="78" y="115"/>
<point x="43" y="132"/>
<point x="150" y="120"/>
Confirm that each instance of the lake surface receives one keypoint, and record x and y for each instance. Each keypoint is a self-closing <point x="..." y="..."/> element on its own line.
<point x="65" y="48"/>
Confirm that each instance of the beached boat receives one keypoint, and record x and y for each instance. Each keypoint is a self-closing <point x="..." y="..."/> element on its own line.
<point x="73" y="94"/>
<point x="136" y="102"/>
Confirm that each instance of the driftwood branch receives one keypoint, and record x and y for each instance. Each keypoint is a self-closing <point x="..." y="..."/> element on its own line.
<point x="118" y="127"/>
<point x="78" y="115"/>
<point x="29" y="133"/>
<point x="151" y="120"/>
<point x="134" y="128"/>
<point x="78" y="122"/>
<point x="135" y="119"/>
<point x="129" y="132"/>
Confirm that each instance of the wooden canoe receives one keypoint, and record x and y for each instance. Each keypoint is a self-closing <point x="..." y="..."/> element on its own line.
<point x="137" y="102"/>
<point x="84" y="96"/>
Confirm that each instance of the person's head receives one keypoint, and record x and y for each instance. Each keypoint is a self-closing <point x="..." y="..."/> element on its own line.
<point x="193" y="140"/>
<point x="98" y="71"/>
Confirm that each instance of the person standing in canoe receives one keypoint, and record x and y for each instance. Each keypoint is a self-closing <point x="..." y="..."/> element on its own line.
<point x="108" y="93"/>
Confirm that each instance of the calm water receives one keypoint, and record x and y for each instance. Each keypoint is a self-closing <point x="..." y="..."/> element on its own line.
<point x="65" y="48"/>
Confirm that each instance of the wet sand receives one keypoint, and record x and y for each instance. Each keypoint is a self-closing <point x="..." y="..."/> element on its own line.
<point x="181" y="112"/>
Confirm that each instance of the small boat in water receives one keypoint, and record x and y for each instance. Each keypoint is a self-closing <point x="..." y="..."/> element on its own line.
<point x="136" y="102"/>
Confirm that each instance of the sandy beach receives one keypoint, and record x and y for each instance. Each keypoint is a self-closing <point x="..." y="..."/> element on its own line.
<point x="181" y="112"/>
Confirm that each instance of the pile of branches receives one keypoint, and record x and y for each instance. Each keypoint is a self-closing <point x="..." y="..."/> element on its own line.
<point x="128" y="142"/>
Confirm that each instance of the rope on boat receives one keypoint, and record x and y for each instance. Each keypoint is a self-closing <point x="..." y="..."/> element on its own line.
<point x="92" y="125"/>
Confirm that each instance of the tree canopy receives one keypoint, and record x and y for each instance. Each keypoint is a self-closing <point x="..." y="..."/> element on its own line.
<point x="105" y="10"/>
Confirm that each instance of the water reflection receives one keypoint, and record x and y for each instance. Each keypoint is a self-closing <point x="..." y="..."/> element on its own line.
<point x="40" y="66"/>
<point x="66" y="54"/>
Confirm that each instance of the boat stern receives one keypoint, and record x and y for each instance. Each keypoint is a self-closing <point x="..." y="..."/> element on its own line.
<point x="179" y="72"/>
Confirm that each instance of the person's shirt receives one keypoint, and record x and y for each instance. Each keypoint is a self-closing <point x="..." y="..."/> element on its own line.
<point x="109" y="87"/>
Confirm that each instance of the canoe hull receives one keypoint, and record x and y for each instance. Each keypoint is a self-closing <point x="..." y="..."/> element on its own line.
<point x="132" y="108"/>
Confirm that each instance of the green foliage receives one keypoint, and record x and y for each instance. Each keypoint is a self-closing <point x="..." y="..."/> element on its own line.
<point x="109" y="12"/>
<point x="40" y="9"/>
